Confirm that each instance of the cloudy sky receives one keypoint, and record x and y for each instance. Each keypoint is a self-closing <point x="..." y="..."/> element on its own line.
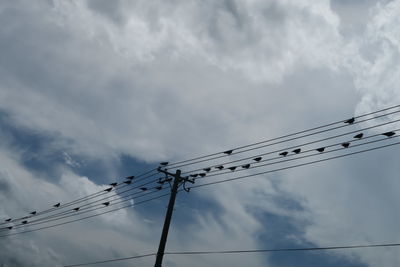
<point x="95" y="90"/>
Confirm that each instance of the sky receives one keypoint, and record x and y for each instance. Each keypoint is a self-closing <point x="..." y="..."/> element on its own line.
<point x="95" y="90"/>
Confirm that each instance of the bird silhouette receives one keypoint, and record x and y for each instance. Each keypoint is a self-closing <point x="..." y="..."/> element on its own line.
<point x="158" y="187"/>
<point x="246" y="166"/>
<point x="33" y="212"/>
<point x="202" y="174"/>
<point x="106" y="203"/>
<point x="345" y="144"/>
<point x="257" y="159"/>
<point x="128" y="182"/>
<point x="207" y="169"/>
<point x="389" y="134"/>
<point x="232" y="168"/>
<point x="76" y="209"/>
<point x="10" y="227"/>
<point x="8" y="220"/>
<point x="130" y="177"/>
<point x="297" y="150"/>
<point x="114" y="184"/>
<point x="220" y="167"/>
<point x="143" y="188"/>
<point x="359" y="136"/>
<point x="321" y="149"/>
<point x="194" y="175"/>
<point x="57" y="205"/>
<point x="350" y="121"/>
<point x="108" y="189"/>
<point x="165" y="163"/>
<point x="228" y="152"/>
<point x="283" y="153"/>
<point x="24" y="222"/>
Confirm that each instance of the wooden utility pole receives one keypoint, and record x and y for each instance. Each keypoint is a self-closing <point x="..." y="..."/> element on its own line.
<point x="168" y="216"/>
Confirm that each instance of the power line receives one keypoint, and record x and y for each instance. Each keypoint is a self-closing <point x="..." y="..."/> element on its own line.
<point x="291" y="167"/>
<point x="289" y="135"/>
<point x="190" y="253"/>
<point x="87" y="217"/>
<point x="296" y="146"/>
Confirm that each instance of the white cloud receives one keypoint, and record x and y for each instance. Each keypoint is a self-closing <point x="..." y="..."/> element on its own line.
<point x="159" y="80"/>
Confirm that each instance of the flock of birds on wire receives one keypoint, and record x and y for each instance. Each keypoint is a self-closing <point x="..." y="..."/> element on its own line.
<point x="129" y="179"/>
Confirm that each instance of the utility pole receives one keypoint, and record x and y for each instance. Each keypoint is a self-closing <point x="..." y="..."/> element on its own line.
<point x="178" y="180"/>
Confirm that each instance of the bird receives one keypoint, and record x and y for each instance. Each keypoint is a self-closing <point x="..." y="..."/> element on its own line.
<point x="128" y="182"/>
<point x="321" y="149"/>
<point x="33" y="212"/>
<point x="106" y="203"/>
<point x="10" y="227"/>
<point x="232" y="168"/>
<point x="57" y="205"/>
<point x="108" y="189"/>
<point x="160" y="181"/>
<point x="389" y="134"/>
<point x="158" y="187"/>
<point x="345" y="144"/>
<point x="76" y="209"/>
<point x="297" y="150"/>
<point x="143" y="188"/>
<point x="207" y="169"/>
<point x="257" y="159"/>
<point x="194" y="175"/>
<point x="8" y="220"/>
<point x="359" y="136"/>
<point x="228" y="152"/>
<point x="350" y="121"/>
<point x="24" y="222"/>
<point x="165" y="163"/>
<point x="220" y="167"/>
<point x="246" y="166"/>
<point x="202" y="174"/>
<point x="130" y="177"/>
<point x="284" y="153"/>
<point x="113" y="184"/>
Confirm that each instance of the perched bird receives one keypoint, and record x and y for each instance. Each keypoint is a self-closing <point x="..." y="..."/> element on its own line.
<point x="194" y="175"/>
<point x="389" y="134"/>
<point x="143" y="188"/>
<point x="76" y="209"/>
<point x="345" y="144"/>
<point x="246" y="166"/>
<point x="10" y="227"/>
<point x="220" y="167"/>
<point x="57" y="205"/>
<point x="202" y="174"/>
<point x="106" y="203"/>
<point x="158" y="187"/>
<point x="207" y="169"/>
<point x="165" y="163"/>
<point x="8" y="220"/>
<point x="24" y="222"/>
<point x="130" y="177"/>
<point x="350" y="121"/>
<point x="160" y="181"/>
<point x="257" y="159"/>
<point x="359" y="136"/>
<point x="108" y="189"/>
<point x="114" y="184"/>
<point x="284" y="153"/>
<point x="232" y="168"/>
<point x="321" y="149"/>
<point x="128" y="182"/>
<point x="297" y="150"/>
<point x="228" y="152"/>
<point x="33" y="212"/>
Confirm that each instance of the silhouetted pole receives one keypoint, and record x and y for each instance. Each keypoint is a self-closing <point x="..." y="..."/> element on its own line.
<point x="164" y="235"/>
